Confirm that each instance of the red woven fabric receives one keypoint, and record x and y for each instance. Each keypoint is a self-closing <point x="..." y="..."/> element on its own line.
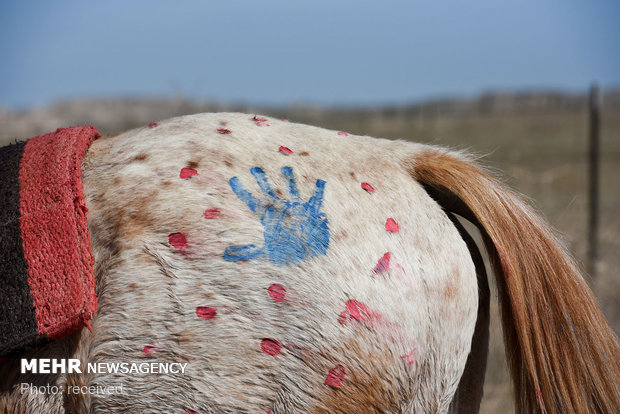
<point x="55" y="232"/>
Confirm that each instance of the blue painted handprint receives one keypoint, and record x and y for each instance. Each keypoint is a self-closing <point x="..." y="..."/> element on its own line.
<point x="293" y="230"/>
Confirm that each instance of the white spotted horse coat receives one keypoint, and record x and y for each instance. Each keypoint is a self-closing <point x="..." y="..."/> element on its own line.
<point x="294" y="269"/>
<point x="249" y="249"/>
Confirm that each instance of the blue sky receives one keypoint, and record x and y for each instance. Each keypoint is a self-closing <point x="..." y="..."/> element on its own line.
<point x="286" y="51"/>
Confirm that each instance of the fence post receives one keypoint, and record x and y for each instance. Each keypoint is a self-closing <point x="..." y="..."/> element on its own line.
<point x="593" y="196"/>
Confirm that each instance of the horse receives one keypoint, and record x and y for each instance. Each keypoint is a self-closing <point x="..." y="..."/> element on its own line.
<point x="295" y="269"/>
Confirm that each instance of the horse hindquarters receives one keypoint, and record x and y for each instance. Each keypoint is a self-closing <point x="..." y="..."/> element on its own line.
<point x="275" y="275"/>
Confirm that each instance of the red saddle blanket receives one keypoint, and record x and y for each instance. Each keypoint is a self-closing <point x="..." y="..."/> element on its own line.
<point x="47" y="286"/>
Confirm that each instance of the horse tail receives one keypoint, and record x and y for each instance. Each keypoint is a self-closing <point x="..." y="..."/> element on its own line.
<point x="562" y="354"/>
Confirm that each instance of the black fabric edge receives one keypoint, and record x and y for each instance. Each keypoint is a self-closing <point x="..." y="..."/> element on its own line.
<point x="18" y="324"/>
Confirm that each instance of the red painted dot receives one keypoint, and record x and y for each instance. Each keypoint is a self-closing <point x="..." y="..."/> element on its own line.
<point x="335" y="376"/>
<point x="270" y="346"/>
<point x="285" y="150"/>
<point x="211" y="213"/>
<point x="206" y="312"/>
<point x="391" y="225"/>
<point x="177" y="240"/>
<point x="342" y="133"/>
<point x="260" y="121"/>
<point x="187" y="172"/>
<point x="277" y="292"/>
<point x="153" y="124"/>
<point x="368" y="187"/>
<point x="191" y="412"/>
<point x="148" y="349"/>
<point x="223" y="131"/>
<point x="357" y="310"/>
<point x="383" y="264"/>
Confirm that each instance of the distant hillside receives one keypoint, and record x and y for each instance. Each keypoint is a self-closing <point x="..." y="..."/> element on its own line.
<point x="507" y="102"/>
<point x="114" y="115"/>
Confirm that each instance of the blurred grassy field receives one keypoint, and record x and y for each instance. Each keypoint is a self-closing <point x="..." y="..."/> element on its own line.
<point x="542" y="153"/>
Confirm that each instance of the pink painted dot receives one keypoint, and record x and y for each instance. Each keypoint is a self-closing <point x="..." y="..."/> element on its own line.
<point x="410" y="357"/>
<point x="539" y="397"/>
<point x="211" y="213"/>
<point x="285" y="150"/>
<point x="205" y="312"/>
<point x="368" y="187"/>
<point x="391" y="225"/>
<point x="177" y="240"/>
<point x="187" y="172"/>
<point x="383" y="264"/>
<point x="284" y="120"/>
<point x="277" y="292"/>
<point x="191" y="412"/>
<point x="148" y="349"/>
<point x="335" y="376"/>
<point x="342" y="133"/>
<point x="270" y="346"/>
<point x="153" y="124"/>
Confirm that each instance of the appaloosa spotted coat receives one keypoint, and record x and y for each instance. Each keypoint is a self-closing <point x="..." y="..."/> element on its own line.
<point x="301" y="270"/>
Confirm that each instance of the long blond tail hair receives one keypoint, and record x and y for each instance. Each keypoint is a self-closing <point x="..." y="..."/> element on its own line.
<point x="563" y="356"/>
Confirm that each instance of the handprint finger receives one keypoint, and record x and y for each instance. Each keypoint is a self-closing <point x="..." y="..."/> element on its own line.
<point x="317" y="199"/>
<point x="244" y="195"/>
<point x="245" y="252"/>
<point x="263" y="183"/>
<point x="292" y="231"/>
<point x="292" y="183"/>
